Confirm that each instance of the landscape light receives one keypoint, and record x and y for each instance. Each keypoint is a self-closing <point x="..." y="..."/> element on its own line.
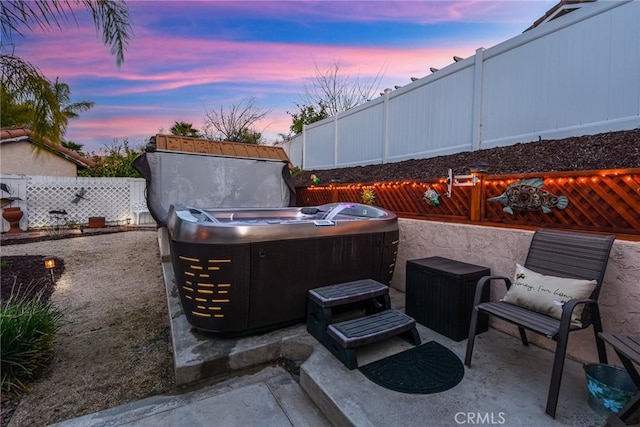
<point x="50" y="264"/>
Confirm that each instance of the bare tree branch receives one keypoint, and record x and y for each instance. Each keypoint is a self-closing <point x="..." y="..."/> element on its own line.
<point x="339" y="93"/>
<point x="234" y="122"/>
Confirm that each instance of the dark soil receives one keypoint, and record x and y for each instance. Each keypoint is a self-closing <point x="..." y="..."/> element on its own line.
<point x="24" y="277"/>
<point x="612" y="150"/>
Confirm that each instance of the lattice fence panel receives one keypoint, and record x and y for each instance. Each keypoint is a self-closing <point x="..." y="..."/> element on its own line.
<point x="605" y="200"/>
<point x="599" y="201"/>
<point x="405" y="198"/>
<point x="311" y="196"/>
<point x="81" y="198"/>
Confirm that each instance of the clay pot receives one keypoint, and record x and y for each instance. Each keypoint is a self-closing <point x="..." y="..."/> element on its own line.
<point x="13" y="217"/>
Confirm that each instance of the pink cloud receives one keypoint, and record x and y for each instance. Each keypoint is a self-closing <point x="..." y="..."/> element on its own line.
<point x="174" y="67"/>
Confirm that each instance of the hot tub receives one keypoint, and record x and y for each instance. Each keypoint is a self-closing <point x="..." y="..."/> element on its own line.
<point x="243" y="270"/>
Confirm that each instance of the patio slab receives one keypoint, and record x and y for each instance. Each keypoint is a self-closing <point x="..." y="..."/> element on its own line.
<point x="507" y="383"/>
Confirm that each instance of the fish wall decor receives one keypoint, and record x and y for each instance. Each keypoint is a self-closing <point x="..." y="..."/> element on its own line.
<point x="528" y="195"/>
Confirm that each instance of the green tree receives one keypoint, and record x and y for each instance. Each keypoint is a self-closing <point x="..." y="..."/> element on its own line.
<point x="116" y="162"/>
<point x="14" y="114"/>
<point x="73" y="146"/>
<point x="21" y="114"/>
<point x="184" y="129"/>
<point x="306" y="115"/>
<point x="68" y="109"/>
<point x="250" y="136"/>
<point x="24" y="82"/>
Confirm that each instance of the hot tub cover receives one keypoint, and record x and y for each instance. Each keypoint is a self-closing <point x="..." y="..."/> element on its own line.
<point x="210" y="181"/>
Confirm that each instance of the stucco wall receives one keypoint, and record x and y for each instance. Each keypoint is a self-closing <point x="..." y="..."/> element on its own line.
<point x="500" y="248"/>
<point x="21" y="158"/>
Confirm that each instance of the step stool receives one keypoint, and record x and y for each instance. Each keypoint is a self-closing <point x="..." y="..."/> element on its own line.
<point x="350" y="334"/>
<point x="379" y="322"/>
<point x="322" y="301"/>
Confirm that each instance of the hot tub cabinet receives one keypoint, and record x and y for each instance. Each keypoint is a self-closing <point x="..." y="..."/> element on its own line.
<point x="246" y="270"/>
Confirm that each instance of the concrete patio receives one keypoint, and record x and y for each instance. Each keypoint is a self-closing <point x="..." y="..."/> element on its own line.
<point x="507" y="383"/>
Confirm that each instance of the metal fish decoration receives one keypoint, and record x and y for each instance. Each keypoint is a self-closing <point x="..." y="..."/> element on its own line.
<point x="528" y="195"/>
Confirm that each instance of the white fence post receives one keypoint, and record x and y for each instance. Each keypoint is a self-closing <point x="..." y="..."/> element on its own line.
<point x="304" y="147"/>
<point x="478" y="73"/>
<point x="336" y="140"/>
<point x="386" y="125"/>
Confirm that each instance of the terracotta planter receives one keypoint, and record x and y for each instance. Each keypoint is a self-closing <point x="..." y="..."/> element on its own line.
<point x="13" y="217"/>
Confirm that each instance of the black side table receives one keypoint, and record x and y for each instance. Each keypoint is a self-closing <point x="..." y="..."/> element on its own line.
<point x="439" y="295"/>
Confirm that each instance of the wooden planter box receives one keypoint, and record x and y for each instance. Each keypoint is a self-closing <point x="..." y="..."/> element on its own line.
<point x="96" y="222"/>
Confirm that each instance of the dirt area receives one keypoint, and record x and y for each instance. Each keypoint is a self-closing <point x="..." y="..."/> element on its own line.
<point x="114" y="346"/>
<point x="612" y="150"/>
<point x="25" y="277"/>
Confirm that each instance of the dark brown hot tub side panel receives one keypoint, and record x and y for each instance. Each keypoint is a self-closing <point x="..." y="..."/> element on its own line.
<point x="242" y="288"/>
<point x="214" y="284"/>
<point x="283" y="271"/>
<point x="389" y="255"/>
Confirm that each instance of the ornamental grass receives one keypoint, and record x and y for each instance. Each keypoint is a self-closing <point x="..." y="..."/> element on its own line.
<point x="28" y="327"/>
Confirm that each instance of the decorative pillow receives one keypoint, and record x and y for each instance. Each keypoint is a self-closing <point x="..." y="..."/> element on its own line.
<point x="547" y="294"/>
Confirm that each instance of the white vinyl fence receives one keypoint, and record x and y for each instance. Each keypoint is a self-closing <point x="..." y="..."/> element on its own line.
<point x="575" y="75"/>
<point x="80" y="198"/>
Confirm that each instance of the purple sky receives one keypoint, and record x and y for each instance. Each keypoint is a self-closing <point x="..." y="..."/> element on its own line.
<point x="189" y="57"/>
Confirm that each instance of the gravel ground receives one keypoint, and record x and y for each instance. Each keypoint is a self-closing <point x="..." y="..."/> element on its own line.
<point x="114" y="346"/>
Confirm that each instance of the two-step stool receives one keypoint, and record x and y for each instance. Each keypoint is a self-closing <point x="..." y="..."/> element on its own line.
<point x="342" y="338"/>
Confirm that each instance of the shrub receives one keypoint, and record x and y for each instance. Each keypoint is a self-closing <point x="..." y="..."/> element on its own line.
<point x="27" y="332"/>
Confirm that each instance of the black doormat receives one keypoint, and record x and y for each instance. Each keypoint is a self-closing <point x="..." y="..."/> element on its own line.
<point x="425" y="369"/>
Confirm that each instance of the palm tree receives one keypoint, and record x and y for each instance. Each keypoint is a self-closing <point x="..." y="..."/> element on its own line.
<point x="26" y="84"/>
<point x="184" y="129"/>
<point x="73" y="146"/>
<point x="68" y="110"/>
<point x="52" y="122"/>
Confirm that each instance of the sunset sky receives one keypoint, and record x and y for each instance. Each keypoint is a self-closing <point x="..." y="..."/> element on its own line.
<point x="189" y="57"/>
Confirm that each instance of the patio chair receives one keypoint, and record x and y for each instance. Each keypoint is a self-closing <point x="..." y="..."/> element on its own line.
<point x="558" y="256"/>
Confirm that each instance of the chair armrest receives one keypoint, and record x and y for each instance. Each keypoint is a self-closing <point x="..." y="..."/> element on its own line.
<point x="567" y="311"/>
<point x="486" y="281"/>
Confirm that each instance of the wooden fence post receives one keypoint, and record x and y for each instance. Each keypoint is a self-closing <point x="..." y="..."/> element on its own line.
<point x="476" y="210"/>
<point x="334" y="193"/>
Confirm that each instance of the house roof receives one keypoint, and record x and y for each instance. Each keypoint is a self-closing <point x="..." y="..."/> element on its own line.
<point x="560" y="9"/>
<point x="9" y="135"/>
